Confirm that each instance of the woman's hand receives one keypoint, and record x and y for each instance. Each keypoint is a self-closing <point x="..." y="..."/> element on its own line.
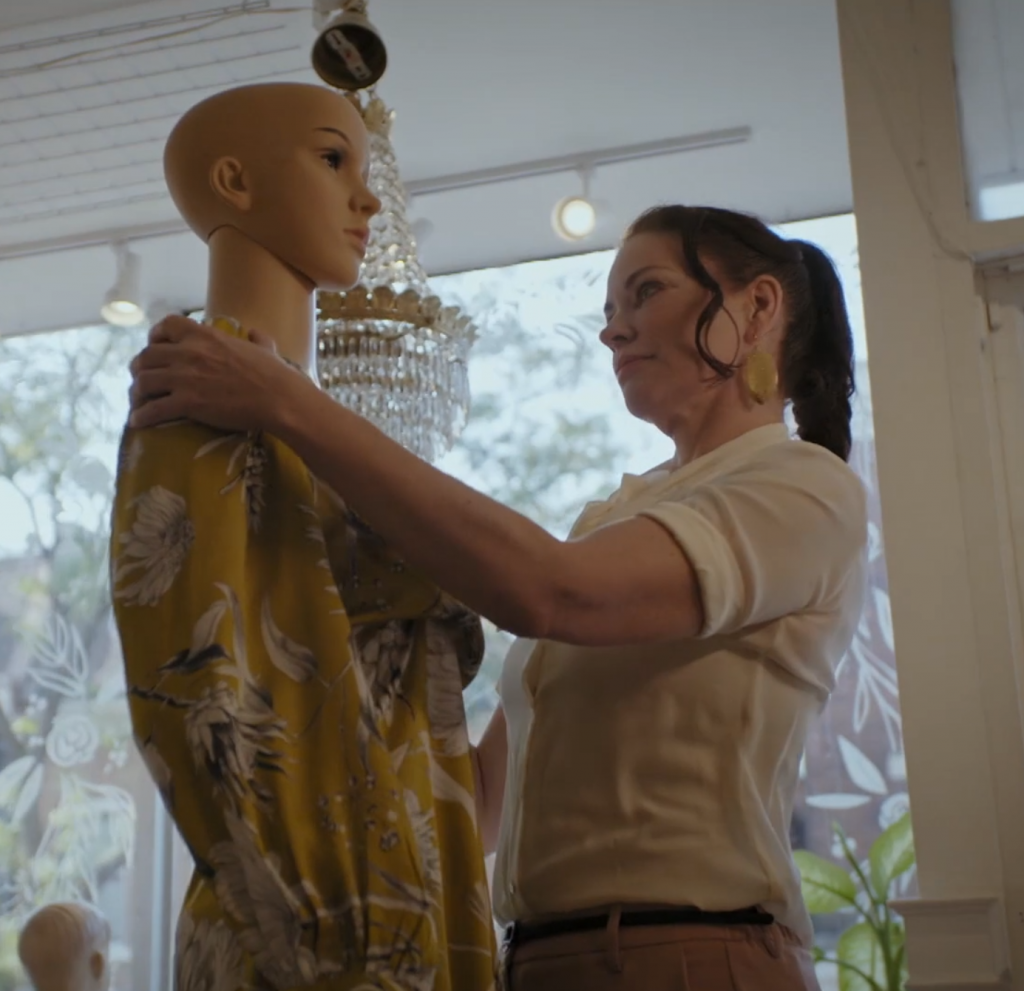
<point x="195" y="372"/>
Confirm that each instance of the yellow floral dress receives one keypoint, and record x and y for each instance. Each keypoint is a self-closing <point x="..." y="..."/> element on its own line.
<point x="296" y="692"/>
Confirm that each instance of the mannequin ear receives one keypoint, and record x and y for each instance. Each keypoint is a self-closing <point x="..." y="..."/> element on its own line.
<point x="96" y="965"/>
<point x="230" y="182"/>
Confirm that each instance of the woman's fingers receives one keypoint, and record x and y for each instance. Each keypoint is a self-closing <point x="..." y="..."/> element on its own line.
<point x="156" y="411"/>
<point x="148" y="385"/>
<point x="168" y="329"/>
<point x="156" y="356"/>
<point x="263" y="340"/>
<point x="174" y="329"/>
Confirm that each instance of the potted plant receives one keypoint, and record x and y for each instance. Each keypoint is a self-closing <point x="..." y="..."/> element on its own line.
<point x="871" y="953"/>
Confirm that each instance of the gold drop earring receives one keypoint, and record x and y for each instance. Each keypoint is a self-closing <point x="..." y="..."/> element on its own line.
<point x="760" y="375"/>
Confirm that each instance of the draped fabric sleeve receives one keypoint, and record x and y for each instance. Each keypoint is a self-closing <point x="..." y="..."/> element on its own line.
<point x="251" y="714"/>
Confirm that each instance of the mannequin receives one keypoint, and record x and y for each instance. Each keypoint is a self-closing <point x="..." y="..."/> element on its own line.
<point x="294" y="687"/>
<point x="66" y="947"/>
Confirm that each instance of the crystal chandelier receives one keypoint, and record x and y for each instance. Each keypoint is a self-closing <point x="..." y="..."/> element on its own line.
<point x="388" y="349"/>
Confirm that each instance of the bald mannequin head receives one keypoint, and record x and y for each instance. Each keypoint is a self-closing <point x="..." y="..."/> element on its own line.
<point x="285" y="165"/>
<point x="66" y="947"/>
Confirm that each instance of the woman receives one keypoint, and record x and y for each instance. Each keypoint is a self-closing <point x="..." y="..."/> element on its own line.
<point x="639" y="776"/>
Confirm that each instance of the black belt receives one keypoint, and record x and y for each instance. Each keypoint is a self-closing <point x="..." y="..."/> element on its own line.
<point x="523" y="932"/>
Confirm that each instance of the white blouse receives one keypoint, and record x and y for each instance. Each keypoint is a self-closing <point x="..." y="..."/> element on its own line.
<point x="666" y="773"/>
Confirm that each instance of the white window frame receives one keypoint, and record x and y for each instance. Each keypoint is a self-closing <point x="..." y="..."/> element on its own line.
<point x="948" y="384"/>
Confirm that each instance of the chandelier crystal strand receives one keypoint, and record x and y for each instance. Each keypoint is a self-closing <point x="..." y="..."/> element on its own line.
<point x="388" y="349"/>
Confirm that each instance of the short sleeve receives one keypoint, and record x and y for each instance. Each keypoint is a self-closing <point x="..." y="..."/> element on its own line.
<point x="778" y="535"/>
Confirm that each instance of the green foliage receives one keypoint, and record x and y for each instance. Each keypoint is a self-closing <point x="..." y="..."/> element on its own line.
<point x="892" y="855"/>
<point x="871" y="953"/>
<point x="826" y="886"/>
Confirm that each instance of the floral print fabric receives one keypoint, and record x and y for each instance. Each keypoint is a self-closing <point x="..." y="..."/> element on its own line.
<point x="296" y="692"/>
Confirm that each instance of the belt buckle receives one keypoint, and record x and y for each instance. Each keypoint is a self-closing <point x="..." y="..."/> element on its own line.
<point x="504" y="975"/>
<point x="508" y="938"/>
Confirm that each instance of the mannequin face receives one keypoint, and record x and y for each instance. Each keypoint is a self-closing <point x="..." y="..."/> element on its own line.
<point x="309" y="202"/>
<point x="285" y="165"/>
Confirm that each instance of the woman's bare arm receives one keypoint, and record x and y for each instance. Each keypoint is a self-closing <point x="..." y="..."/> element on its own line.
<point x="625" y="583"/>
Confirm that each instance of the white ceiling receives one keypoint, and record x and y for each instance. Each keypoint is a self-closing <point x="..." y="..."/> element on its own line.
<point x="90" y="88"/>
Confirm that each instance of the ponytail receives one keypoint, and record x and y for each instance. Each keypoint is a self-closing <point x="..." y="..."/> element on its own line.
<point x="817" y="357"/>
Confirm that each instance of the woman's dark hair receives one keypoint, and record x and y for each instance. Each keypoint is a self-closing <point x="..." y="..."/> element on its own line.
<point x="817" y="350"/>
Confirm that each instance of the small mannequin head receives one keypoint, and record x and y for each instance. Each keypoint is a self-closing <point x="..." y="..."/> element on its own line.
<point x="284" y="165"/>
<point x="66" y="947"/>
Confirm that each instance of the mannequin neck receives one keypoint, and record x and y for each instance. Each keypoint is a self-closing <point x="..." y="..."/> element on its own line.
<point x="249" y="284"/>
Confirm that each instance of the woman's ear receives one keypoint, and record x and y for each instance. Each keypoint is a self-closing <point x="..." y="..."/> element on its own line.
<point x="230" y="182"/>
<point x="764" y="306"/>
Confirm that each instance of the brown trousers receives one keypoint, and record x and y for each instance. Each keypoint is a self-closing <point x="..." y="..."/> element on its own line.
<point x="663" y="958"/>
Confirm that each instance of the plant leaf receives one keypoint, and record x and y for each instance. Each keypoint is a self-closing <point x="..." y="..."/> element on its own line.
<point x="826" y="886"/>
<point x="12" y="779"/>
<point x="858" y="947"/>
<point x="898" y="943"/>
<point x="883" y="610"/>
<point x="837" y="801"/>
<point x="863" y="772"/>
<point x="891" y="855"/>
<point x="60" y="664"/>
<point x="29" y="794"/>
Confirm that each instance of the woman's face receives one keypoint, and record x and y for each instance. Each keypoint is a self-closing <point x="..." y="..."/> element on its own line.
<point x="651" y="313"/>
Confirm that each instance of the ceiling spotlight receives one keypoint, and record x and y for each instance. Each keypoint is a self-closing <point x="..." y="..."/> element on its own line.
<point x="574" y="218"/>
<point x="121" y="305"/>
<point x="348" y="53"/>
